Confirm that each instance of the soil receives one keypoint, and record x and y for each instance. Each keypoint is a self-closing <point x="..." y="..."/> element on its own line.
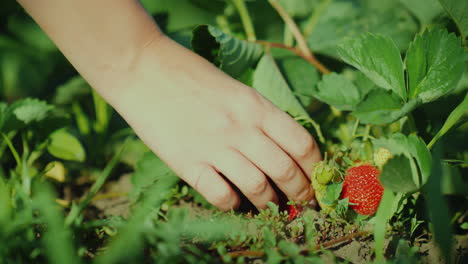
<point x="113" y="201"/>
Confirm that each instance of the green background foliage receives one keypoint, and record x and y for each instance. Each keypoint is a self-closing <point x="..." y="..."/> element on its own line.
<point x="398" y="81"/>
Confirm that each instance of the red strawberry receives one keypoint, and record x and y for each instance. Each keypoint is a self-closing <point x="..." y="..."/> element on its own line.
<point x="293" y="212"/>
<point x="363" y="189"/>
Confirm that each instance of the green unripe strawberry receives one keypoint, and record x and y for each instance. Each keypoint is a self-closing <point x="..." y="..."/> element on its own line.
<point x="322" y="175"/>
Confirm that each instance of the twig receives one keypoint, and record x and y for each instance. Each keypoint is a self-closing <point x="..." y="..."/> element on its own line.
<point x="246" y="253"/>
<point x="342" y="239"/>
<point x="331" y="243"/>
<point x="317" y="64"/>
<point x="301" y="42"/>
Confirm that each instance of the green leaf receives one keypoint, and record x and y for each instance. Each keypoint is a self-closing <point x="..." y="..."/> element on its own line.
<point x="333" y="193"/>
<point x="73" y="216"/>
<point x="65" y="146"/>
<point x="338" y="21"/>
<point x="149" y="170"/>
<point x="301" y="76"/>
<point x="268" y="237"/>
<point x="273" y="256"/>
<point x="57" y="239"/>
<point x="338" y="91"/>
<point x="129" y="241"/>
<point x="30" y="110"/>
<point x="420" y="152"/>
<point x="14" y="66"/>
<point x="413" y="147"/>
<point x="463" y="83"/>
<point x="30" y="33"/>
<point x="134" y="151"/>
<point x="438" y="209"/>
<point x="381" y="107"/>
<point x="451" y="120"/>
<point x="271" y="84"/>
<point x="453" y="182"/>
<point x="383" y="215"/>
<point x="457" y="11"/>
<point x="71" y="91"/>
<point x="3" y="114"/>
<point x="103" y="113"/>
<point x="378" y="58"/>
<point x="6" y="203"/>
<point x="364" y="84"/>
<point x="434" y="62"/>
<point x="289" y="248"/>
<point x="343" y="20"/>
<point x="342" y="207"/>
<point x="424" y="10"/>
<point x="395" y="23"/>
<point x="27" y="112"/>
<point x="404" y="253"/>
<point x="397" y="175"/>
<point x="231" y="54"/>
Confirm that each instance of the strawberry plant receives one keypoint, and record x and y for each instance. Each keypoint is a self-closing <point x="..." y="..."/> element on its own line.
<point x="381" y="85"/>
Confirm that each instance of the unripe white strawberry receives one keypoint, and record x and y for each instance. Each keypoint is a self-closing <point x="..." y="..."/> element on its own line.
<point x="381" y="156"/>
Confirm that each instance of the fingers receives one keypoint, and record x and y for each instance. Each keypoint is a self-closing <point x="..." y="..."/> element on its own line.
<point x="248" y="178"/>
<point x="213" y="187"/>
<point x="275" y="163"/>
<point x="294" y="139"/>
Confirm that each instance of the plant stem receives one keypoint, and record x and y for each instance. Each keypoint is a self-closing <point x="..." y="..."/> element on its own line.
<point x="367" y="133"/>
<point x="316" y="127"/>
<point x="223" y="24"/>
<point x="314" y="18"/>
<point x="355" y="127"/>
<point x="301" y="42"/>
<point x="103" y="113"/>
<point x="317" y="64"/>
<point x="246" y="19"/>
<point x="81" y="119"/>
<point x="76" y="210"/>
<point x="12" y="149"/>
<point x="288" y="38"/>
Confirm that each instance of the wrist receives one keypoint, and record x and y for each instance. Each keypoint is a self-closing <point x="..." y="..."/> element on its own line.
<point x="128" y="72"/>
<point x="165" y="69"/>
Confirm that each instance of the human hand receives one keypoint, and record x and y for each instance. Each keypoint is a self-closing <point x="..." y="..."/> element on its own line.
<point x="203" y="123"/>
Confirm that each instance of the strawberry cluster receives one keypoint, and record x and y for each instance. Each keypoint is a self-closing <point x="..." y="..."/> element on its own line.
<point x="361" y="185"/>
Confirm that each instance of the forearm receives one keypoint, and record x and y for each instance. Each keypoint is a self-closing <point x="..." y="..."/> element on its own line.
<point x="103" y="39"/>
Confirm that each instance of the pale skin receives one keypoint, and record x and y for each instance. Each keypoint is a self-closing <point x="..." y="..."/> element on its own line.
<point x="197" y="119"/>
